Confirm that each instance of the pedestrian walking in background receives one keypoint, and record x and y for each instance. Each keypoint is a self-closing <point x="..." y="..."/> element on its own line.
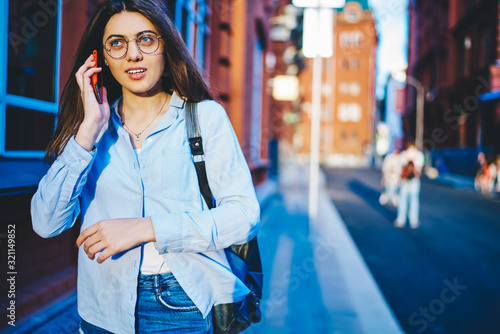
<point x="151" y="252"/>
<point x="497" y="173"/>
<point x="391" y="175"/>
<point x="491" y="183"/>
<point x="482" y="177"/>
<point x="409" y="187"/>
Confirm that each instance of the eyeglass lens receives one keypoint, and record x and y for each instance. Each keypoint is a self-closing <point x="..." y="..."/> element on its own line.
<point x="116" y="47"/>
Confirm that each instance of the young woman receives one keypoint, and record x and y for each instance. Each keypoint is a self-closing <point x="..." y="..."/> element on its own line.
<point x="151" y="256"/>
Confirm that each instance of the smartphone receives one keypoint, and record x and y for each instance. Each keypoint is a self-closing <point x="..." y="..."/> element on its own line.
<point x="97" y="80"/>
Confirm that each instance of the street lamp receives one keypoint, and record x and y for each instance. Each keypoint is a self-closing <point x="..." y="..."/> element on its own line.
<point x="412" y="81"/>
<point x="317" y="43"/>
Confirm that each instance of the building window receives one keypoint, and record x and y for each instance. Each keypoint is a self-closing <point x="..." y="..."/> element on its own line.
<point x="352" y="12"/>
<point x="28" y="130"/>
<point x="344" y="88"/>
<point x="343" y="136"/>
<point x="190" y="18"/>
<point x="257" y="75"/>
<point x="326" y="89"/>
<point x="344" y="63"/>
<point x="351" y="39"/>
<point x="171" y="9"/>
<point x="356" y="39"/>
<point x="467" y="45"/>
<point x="344" y="39"/>
<point x="29" y="92"/>
<point x="327" y="64"/>
<point x="354" y="63"/>
<point x="486" y="52"/>
<point x="325" y="138"/>
<point x="325" y="113"/>
<point x="352" y="88"/>
<point x="354" y="137"/>
<point x="349" y="112"/>
<point x="355" y="88"/>
<point x="351" y="16"/>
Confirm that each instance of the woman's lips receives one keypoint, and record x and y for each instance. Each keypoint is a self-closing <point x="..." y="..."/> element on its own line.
<point x="136" y="73"/>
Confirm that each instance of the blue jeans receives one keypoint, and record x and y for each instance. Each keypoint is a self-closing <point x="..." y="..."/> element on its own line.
<point x="162" y="306"/>
<point x="409" y="196"/>
<point x="391" y="190"/>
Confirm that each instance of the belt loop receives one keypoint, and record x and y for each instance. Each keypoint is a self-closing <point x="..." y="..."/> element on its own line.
<point x="157" y="284"/>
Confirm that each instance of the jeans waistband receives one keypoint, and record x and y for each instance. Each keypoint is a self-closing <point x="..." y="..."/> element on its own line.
<point x="165" y="279"/>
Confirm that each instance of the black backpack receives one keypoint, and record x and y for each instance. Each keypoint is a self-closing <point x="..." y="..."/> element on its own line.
<point x="243" y="259"/>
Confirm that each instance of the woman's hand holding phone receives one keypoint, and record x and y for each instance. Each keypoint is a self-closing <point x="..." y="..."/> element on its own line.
<point x="96" y="114"/>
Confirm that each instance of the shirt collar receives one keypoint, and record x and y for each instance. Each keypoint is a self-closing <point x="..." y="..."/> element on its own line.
<point x="115" y="116"/>
<point x="177" y="102"/>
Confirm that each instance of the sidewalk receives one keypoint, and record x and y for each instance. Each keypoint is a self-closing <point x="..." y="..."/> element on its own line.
<point x="461" y="182"/>
<point x="456" y="181"/>
<point x="315" y="278"/>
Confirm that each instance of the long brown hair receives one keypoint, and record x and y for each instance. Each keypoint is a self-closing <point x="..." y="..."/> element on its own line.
<point x="181" y="73"/>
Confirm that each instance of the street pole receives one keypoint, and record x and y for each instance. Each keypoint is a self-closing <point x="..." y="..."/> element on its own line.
<point x="315" y="139"/>
<point x="419" y="135"/>
<point x="318" y="42"/>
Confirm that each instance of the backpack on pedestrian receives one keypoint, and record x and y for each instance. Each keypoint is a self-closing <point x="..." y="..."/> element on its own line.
<point x="408" y="171"/>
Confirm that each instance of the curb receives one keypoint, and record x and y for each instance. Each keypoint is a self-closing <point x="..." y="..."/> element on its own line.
<point x="266" y="192"/>
<point x="42" y="316"/>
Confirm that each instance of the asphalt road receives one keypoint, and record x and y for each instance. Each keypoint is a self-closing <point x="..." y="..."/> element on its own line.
<point x="443" y="277"/>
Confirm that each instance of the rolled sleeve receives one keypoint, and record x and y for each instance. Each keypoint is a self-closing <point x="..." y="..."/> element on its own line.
<point x="168" y="235"/>
<point x="55" y="207"/>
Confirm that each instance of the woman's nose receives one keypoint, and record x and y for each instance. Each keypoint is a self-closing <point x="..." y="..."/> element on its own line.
<point x="133" y="52"/>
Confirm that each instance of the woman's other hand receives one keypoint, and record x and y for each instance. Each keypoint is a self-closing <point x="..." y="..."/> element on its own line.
<point x="96" y="115"/>
<point x="114" y="236"/>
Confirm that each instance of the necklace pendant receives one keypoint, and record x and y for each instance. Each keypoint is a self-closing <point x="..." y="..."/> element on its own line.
<point x="137" y="138"/>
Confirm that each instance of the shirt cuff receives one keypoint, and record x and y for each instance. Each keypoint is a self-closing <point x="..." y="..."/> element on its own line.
<point x="168" y="232"/>
<point x="76" y="157"/>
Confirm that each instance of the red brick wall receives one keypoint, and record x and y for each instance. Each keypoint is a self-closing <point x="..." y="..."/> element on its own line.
<point x="46" y="268"/>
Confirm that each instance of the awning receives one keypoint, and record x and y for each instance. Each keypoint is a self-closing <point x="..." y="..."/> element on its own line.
<point x="490" y="96"/>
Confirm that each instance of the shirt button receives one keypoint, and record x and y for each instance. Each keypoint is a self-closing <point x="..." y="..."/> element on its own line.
<point x="169" y="256"/>
<point x="188" y="283"/>
<point x="83" y="162"/>
<point x="149" y="140"/>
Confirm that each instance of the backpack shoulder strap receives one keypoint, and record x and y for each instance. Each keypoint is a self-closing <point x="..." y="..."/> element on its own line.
<point x="196" y="146"/>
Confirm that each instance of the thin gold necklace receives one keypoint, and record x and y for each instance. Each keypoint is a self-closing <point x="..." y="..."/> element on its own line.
<point x="138" y="135"/>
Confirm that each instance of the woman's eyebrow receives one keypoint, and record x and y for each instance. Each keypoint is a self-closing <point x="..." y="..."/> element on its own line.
<point x="145" y="31"/>
<point x="138" y="34"/>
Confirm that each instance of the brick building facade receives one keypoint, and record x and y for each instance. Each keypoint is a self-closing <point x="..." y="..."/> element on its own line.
<point x="348" y="92"/>
<point x="452" y="51"/>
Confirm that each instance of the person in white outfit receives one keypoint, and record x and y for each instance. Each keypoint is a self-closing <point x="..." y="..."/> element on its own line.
<point x="391" y="175"/>
<point x="409" y="202"/>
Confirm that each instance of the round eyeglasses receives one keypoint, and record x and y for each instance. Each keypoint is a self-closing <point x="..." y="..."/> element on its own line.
<point x="116" y="47"/>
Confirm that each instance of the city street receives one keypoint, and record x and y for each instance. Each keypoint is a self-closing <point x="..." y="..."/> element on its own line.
<point x="440" y="278"/>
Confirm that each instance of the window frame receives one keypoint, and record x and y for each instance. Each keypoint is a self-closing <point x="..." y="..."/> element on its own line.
<point x="196" y="13"/>
<point x="21" y="101"/>
<point x="258" y="69"/>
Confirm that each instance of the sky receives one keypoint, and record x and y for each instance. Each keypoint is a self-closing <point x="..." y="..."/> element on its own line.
<point x="392" y="28"/>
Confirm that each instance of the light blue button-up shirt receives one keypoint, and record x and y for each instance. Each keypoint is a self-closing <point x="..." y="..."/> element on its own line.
<point x="161" y="183"/>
